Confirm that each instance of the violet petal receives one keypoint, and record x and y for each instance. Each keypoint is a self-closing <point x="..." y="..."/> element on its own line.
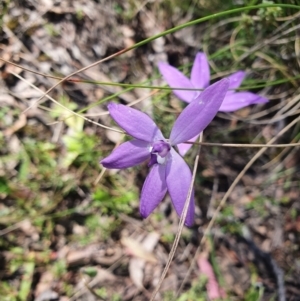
<point x="176" y="79"/>
<point x="236" y="101"/>
<point x="136" y="123"/>
<point x="200" y="74"/>
<point x="235" y="80"/>
<point x="179" y="177"/>
<point x="260" y="99"/>
<point x="154" y="189"/>
<point x="128" y="154"/>
<point x="184" y="147"/>
<point x="199" y="113"/>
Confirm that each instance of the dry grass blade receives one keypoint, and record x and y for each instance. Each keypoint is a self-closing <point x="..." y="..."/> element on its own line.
<point x="181" y="225"/>
<point x="245" y="145"/>
<point x="67" y="109"/>
<point x="229" y="191"/>
<point x="76" y="72"/>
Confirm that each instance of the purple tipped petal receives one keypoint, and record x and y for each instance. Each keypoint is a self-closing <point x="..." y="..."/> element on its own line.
<point x="200" y="74"/>
<point x="179" y="177"/>
<point x="236" y="101"/>
<point x="235" y="80"/>
<point x="137" y="124"/>
<point x="154" y="189"/>
<point x="128" y="154"/>
<point x="176" y="79"/>
<point x="199" y="113"/>
<point x="260" y="99"/>
<point x="184" y="147"/>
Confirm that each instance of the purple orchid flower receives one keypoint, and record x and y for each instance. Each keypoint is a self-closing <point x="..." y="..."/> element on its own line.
<point x="200" y="77"/>
<point x="169" y="172"/>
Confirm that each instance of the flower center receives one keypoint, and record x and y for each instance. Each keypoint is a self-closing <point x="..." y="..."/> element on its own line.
<point x="159" y="151"/>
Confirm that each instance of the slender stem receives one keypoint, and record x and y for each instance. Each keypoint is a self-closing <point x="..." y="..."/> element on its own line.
<point x="228" y="193"/>
<point x="181" y="224"/>
<point x="67" y="109"/>
<point x="244" y="145"/>
<point x="164" y="33"/>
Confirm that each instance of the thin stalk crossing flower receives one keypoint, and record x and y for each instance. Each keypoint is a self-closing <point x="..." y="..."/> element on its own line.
<point x="169" y="172"/>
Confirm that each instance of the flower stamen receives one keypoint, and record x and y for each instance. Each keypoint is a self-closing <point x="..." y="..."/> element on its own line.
<point x="159" y="151"/>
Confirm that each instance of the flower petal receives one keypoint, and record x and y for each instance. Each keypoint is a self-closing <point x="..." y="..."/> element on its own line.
<point x="260" y="99"/>
<point x="184" y="147"/>
<point x="235" y="80"/>
<point x="128" y="154"/>
<point x="179" y="177"/>
<point x="154" y="189"/>
<point x="236" y="101"/>
<point x="176" y="79"/>
<point x="200" y="74"/>
<point x="136" y="123"/>
<point x="199" y="113"/>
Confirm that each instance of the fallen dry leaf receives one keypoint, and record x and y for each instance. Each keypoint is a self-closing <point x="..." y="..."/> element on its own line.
<point x="141" y="250"/>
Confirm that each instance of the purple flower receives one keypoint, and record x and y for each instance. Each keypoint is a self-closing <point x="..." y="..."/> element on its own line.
<point x="169" y="172"/>
<point x="200" y="76"/>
